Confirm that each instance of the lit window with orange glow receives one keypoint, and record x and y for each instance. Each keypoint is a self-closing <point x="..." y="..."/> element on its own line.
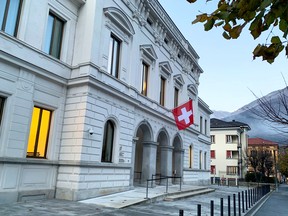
<point x="145" y="70"/>
<point x="39" y="131"/>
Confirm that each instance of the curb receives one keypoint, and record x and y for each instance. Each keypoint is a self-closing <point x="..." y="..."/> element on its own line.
<point x="252" y="211"/>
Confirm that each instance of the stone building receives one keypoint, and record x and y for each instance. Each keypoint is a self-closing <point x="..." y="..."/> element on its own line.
<point x="86" y="92"/>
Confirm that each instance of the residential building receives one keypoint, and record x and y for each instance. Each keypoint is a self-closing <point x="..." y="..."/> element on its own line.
<point x="267" y="148"/>
<point x="86" y="92"/>
<point x="229" y="140"/>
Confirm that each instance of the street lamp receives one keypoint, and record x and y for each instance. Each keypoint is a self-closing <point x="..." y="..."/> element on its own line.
<point x="275" y="167"/>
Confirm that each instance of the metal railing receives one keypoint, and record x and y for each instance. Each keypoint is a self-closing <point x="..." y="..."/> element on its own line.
<point x="159" y="179"/>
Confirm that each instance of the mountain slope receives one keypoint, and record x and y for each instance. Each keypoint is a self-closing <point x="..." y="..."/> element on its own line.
<point x="259" y="127"/>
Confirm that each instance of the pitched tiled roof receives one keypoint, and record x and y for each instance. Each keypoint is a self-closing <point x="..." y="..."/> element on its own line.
<point x="217" y="123"/>
<point x="260" y="141"/>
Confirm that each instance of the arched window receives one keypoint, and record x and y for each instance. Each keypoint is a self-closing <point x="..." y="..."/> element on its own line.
<point x="108" y="139"/>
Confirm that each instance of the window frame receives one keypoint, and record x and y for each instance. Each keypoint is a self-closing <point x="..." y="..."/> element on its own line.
<point x="205" y="160"/>
<point x="114" y="69"/>
<point x="52" y="40"/>
<point x="213" y="169"/>
<point x="162" y="90"/>
<point x="229" y="154"/>
<point x="105" y="145"/>
<point x="6" y="15"/>
<point x="201" y="124"/>
<point x="190" y="156"/>
<point x="229" y="139"/>
<point x="231" y="170"/>
<point x="200" y="160"/>
<point x="38" y="132"/>
<point x="213" y="154"/>
<point x="144" y="78"/>
<point x="2" y="103"/>
<point x="176" y="97"/>
<point x="212" y="137"/>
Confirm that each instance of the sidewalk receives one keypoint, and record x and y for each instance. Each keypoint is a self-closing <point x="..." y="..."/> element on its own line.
<point x="138" y="195"/>
<point x="111" y="205"/>
<point x="276" y="204"/>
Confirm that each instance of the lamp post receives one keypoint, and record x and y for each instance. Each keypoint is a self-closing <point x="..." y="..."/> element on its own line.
<point x="275" y="167"/>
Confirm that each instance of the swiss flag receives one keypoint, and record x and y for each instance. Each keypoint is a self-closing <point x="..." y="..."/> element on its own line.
<point x="184" y="115"/>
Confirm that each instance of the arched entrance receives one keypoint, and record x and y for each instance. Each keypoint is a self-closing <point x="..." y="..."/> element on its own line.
<point x="164" y="155"/>
<point x="178" y="158"/>
<point x="145" y="154"/>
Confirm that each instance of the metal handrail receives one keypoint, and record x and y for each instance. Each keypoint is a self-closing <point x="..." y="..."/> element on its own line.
<point x="165" y="177"/>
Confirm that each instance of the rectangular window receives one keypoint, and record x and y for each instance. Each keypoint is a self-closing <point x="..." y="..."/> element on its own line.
<point x="162" y="91"/>
<point x="212" y="154"/>
<point x="201" y="124"/>
<point x="114" y="56"/>
<point x="145" y="70"/>
<point x="212" y="139"/>
<point x="229" y="139"/>
<point x="228" y="154"/>
<point x="54" y="33"/>
<point x="1" y="107"/>
<point x="213" y="169"/>
<point x="205" y="160"/>
<point x="190" y="156"/>
<point x="200" y="160"/>
<point x="176" y="97"/>
<point x="39" y="132"/>
<point x="231" y="170"/>
<point x="205" y="127"/>
<point x="10" y="15"/>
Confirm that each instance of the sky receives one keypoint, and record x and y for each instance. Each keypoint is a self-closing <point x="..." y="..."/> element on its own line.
<point x="231" y="77"/>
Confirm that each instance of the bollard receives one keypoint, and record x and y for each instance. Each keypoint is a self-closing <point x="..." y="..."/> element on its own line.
<point x="239" y="204"/>
<point x="243" y="210"/>
<point x="253" y="196"/>
<point x="249" y="198"/>
<point x="199" y="210"/>
<point x="181" y="212"/>
<point x="229" y="206"/>
<point x="211" y="208"/>
<point x="246" y="199"/>
<point x="234" y="204"/>
<point x="221" y="207"/>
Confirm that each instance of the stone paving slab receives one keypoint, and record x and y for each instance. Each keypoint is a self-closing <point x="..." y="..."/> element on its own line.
<point x="138" y="195"/>
<point x="159" y="208"/>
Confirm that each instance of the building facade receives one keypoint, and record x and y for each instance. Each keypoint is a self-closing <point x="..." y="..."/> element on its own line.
<point x="229" y="141"/>
<point x="86" y="92"/>
<point x="266" y="149"/>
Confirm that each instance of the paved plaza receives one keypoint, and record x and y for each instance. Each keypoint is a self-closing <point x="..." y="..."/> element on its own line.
<point x="70" y="208"/>
<point x="273" y="204"/>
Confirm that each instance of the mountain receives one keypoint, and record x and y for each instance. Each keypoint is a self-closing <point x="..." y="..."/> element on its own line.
<point x="220" y="114"/>
<point x="259" y="127"/>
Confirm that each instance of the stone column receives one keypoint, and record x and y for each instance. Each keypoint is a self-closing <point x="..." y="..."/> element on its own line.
<point x="166" y="162"/>
<point x="134" y="141"/>
<point x="178" y="160"/>
<point x="148" y="161"/>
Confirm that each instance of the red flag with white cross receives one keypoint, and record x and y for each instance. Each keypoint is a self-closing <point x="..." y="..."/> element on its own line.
<point x="183" y="115"/>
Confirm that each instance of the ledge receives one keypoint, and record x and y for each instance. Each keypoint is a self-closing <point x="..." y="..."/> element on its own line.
<point x="35" y="161"/>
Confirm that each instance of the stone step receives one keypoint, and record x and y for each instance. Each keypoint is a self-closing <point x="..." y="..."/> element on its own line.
<point x="184" y="195"/>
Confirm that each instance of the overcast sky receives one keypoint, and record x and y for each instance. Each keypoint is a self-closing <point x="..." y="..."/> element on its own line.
<point x="230" y="73"/>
